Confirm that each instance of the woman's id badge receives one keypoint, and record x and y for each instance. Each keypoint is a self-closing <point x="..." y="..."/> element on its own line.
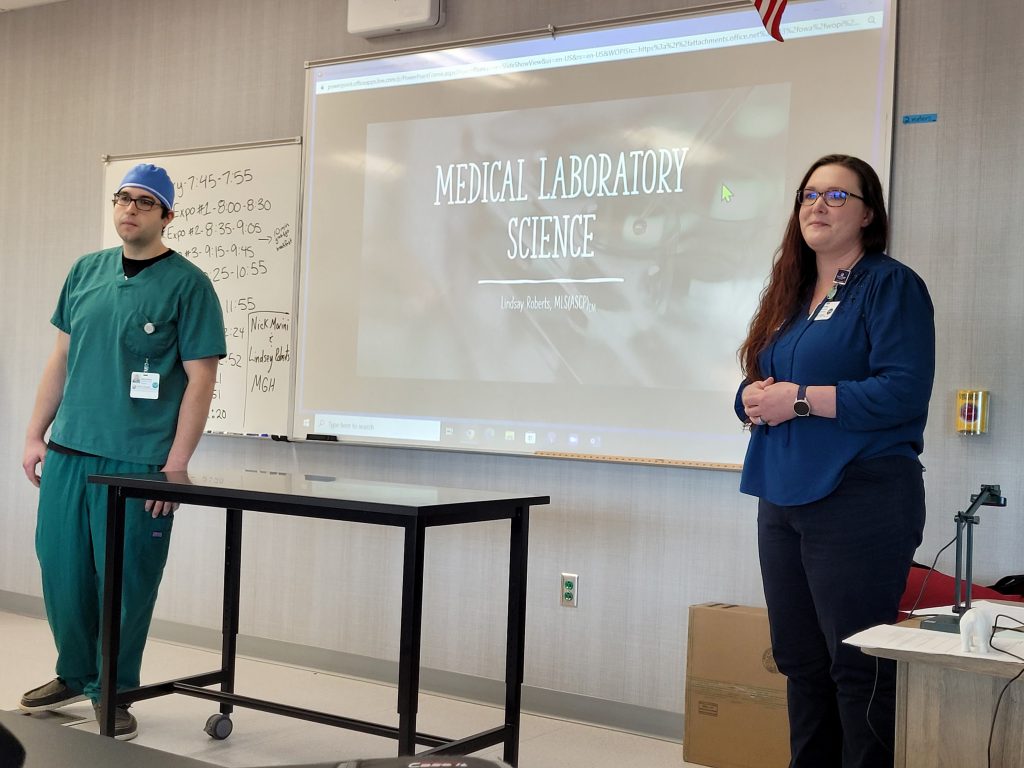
<point x="145" y="385"/>
<point x="826" y="310"/>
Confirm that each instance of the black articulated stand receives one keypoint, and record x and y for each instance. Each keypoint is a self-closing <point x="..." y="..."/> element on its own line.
<point x="988" y="496"/>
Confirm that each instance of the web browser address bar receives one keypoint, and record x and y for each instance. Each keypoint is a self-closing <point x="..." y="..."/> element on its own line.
<point x="618" y="52"/>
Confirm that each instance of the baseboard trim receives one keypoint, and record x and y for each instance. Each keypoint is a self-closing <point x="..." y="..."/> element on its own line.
<point x="24" y="605"/>
<point x="646" y="721"/>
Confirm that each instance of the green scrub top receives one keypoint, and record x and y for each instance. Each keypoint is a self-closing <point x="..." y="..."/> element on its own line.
<point x="164" y="315"/>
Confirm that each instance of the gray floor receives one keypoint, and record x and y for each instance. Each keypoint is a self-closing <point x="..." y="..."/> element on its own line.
<point x="174" y="723"/>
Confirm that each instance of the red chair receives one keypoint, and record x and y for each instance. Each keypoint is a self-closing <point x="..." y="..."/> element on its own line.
<point x="940" y="591"/>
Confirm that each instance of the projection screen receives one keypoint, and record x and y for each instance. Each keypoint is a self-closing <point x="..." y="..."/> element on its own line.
<point x="553" y="244"/>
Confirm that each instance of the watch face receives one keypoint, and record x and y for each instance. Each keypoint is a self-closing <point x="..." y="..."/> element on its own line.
<point x="802" y="408"/>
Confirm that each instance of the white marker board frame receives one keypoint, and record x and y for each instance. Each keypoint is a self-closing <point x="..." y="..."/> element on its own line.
<point x="237" y="210"/>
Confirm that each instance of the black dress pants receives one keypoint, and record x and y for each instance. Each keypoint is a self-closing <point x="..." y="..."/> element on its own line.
<point x="830" y="569"/>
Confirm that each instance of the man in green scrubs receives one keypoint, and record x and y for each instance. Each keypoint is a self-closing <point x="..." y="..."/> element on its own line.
<point x="127" y="388"/>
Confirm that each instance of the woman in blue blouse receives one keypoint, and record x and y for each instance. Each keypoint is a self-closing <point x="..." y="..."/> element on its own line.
<point x="838" y="369"/>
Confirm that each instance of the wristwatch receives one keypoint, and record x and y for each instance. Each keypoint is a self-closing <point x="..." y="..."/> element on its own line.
<point x="800" y="406"/>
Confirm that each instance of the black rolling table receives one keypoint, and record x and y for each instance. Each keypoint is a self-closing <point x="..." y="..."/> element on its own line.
<point x="413" y="508"/>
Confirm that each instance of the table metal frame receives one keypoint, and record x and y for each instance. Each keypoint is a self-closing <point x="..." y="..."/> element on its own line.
<point x="414" y="520"/>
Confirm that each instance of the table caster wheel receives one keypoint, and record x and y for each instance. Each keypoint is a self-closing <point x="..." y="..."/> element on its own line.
<point x="219" y="726"/>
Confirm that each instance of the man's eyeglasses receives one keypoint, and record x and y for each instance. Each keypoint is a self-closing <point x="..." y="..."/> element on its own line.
<point x="834" y="198"/>
<point x="142" y="203"/>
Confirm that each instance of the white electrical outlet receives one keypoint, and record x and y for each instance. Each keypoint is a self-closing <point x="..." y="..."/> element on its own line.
<point x="569" y="590"/>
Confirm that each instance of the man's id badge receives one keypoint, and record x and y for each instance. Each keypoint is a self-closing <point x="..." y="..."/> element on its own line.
<point x="145" y="385"/>
<point x="826" y="310"/>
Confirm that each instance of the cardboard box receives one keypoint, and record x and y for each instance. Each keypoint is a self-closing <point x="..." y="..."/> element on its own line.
<point x="735" y="697"/>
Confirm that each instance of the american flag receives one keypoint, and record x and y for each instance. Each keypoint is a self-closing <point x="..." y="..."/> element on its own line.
<point x="771" y="15"/>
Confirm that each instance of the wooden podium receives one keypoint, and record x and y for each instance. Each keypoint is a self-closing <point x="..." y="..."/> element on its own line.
<point x="945" y="700"/>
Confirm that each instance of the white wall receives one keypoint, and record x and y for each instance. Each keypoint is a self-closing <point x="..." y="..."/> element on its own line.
<point x="83" y="78"/>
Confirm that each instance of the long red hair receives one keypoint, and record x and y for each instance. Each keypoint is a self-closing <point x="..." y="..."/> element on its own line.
<point x="794" y="269"/>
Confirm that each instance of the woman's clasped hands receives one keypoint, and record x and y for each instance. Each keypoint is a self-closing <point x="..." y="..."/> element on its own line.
<point x="769" y="402"/>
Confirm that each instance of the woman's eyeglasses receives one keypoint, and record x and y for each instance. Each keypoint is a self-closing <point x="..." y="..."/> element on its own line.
<point x="834" y="198"/>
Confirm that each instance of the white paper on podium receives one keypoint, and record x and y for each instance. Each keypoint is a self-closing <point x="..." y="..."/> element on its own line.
<point x="896" y="638"/>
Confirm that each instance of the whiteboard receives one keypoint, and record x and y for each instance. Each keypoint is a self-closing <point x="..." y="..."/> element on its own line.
<point x="236" y="218"/>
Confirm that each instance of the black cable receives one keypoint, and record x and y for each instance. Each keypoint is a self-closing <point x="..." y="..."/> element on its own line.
<point x="874" y="687"/>
<point x="931" y="568"/>
<point x="867" y="715"/>
<point x="995" y="713"/>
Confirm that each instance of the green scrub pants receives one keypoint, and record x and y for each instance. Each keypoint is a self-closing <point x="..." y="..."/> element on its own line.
<point x="70" y="541"/>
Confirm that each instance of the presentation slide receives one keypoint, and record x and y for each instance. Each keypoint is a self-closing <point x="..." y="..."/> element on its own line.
<point x="556" y="245"/>
<point x="567" y="225"/>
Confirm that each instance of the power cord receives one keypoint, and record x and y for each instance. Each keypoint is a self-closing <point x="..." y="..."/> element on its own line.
<point x="867" y="714"/>
<point x="995" y="713"/>
<point x="931" y="569"/>
<point x="874" y="687"/>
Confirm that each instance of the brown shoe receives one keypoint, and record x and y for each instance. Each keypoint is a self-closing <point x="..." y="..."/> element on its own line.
<point x="126" y="727"/>
<point x="54" y="695"/>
